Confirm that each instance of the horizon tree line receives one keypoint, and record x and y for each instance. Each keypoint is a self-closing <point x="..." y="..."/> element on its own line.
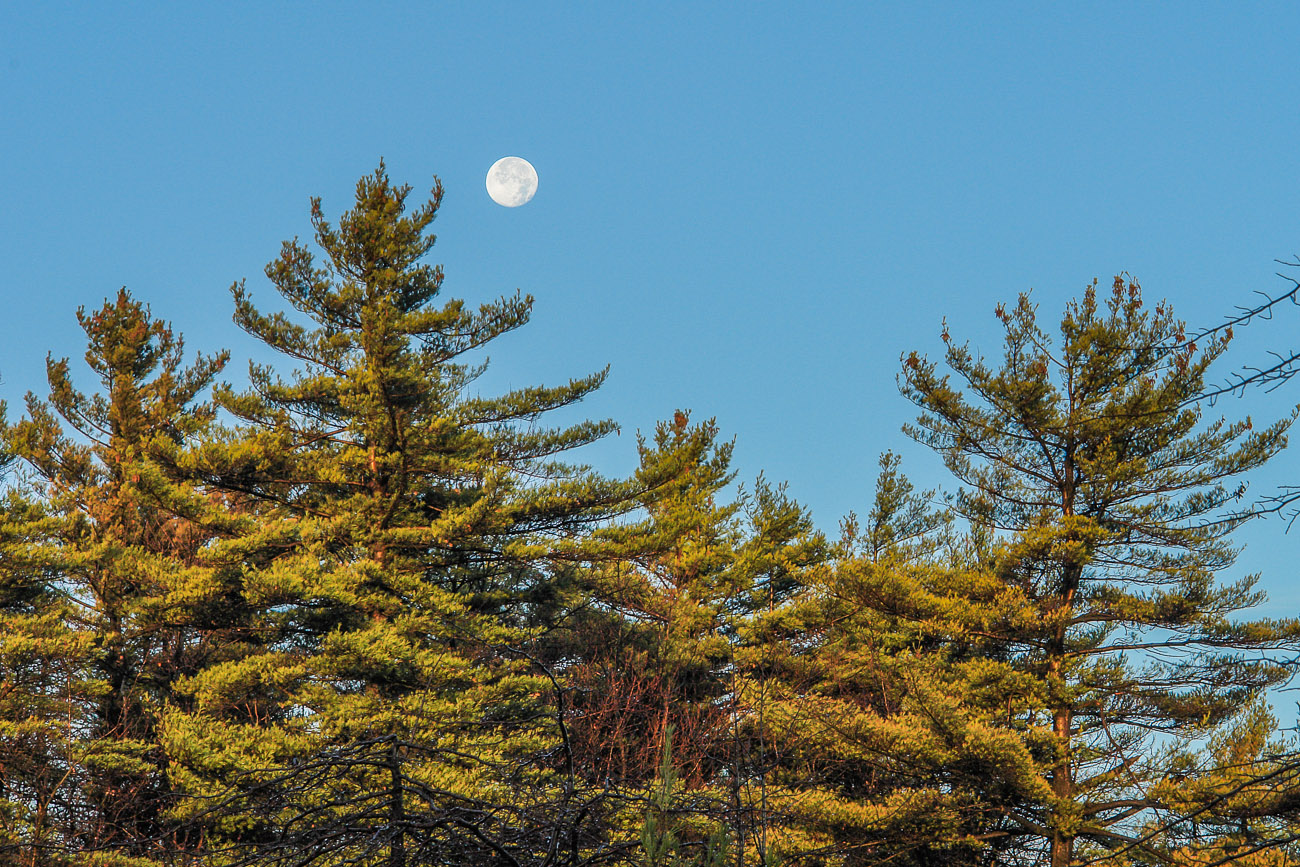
<point x="358" y="613"/>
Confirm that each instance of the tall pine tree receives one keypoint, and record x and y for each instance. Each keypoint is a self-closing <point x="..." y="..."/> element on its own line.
<point x="47" y="694"/>
<point x="399" y="532"/>
<point x="872" y="752"/>
<point x="1100" y="627"/>
<point x="650" y="647"/>
<point x="112" y="545"/>
<point x="681" y="637"/>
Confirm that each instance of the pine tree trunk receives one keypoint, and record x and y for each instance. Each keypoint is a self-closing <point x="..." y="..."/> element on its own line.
<point x="1062" y="851"/>
<point x="1062" y="787"/>
<point x="396" y="813"/>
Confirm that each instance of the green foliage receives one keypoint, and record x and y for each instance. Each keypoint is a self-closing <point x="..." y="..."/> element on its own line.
<point x="1098" y="628"/>
<point x="115" y="562"/>
<point x="45" y="697"/>
<point x="682" y="636"/>
<point x="1237" y="800"/>
<point x="666" y="824"/>
<point x="360" y="613"/>
<point x="397" y="536"/>
<point x="873" y="754"/>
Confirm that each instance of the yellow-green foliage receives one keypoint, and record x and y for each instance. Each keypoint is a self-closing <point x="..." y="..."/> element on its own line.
<point x="402" y="538"/>
<point x="359" y="613"/>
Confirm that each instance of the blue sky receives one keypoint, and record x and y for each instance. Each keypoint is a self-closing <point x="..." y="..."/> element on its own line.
<point x="747" y="210"/>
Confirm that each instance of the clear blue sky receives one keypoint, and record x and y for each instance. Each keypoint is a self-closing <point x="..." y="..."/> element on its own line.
<point x="748" y="210"/>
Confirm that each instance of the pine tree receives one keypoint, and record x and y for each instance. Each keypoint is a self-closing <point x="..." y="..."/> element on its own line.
<point x="116" y="562"/>
<point x="400" y="534"/>
<point x="46" y="694"/>
<point x="1099" y="629"/>
<point x="872" y="754"/>
<point x="650" y="648"/>
<point x="668" y="819"/>
<point x="1246" y="809"/>
<point x="681" y="638"/>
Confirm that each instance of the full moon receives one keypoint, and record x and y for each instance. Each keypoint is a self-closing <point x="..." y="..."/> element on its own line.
<point x="512" y="181"/>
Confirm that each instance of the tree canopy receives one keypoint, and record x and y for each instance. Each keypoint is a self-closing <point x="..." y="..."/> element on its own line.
<point x="359" y="612"/>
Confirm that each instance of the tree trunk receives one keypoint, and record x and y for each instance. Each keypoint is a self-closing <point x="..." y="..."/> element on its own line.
<point x="1061" y="778"/>
<point x="396" y="812"/>
<point x="1062" y="852"/>
<point x="1062" y="787"/>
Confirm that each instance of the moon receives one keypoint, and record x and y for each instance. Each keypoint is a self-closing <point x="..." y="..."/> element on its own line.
<point x="512" y="181"/>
